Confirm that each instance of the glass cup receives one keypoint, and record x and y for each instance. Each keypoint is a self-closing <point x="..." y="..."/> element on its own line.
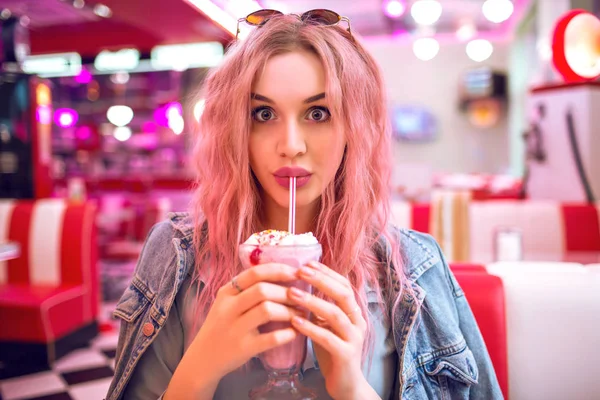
<point x="282" y="363"/>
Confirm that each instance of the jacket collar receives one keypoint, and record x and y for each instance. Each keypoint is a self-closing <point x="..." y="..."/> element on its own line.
<point x="183" y="223"/>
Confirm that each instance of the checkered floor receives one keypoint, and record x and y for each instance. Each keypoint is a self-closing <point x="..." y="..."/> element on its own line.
<point x="83" y="374"/>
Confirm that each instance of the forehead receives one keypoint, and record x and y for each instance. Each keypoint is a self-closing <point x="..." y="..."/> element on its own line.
<point x="290" y="75"/>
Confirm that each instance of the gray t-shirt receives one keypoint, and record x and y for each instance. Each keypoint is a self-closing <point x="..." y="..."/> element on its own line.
<point x="153" y="373"/>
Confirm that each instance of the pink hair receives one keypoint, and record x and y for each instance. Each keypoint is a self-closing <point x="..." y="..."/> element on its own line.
<point x="354" y="209"/>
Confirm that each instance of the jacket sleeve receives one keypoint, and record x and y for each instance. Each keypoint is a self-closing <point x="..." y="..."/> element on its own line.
<point x="144" y="365"/>
<point x="487" y="387"/>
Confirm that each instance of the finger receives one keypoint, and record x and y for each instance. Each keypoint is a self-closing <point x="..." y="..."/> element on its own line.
<point x="267" y="341"/>
<point x="267" y="311"/>
<point x="329" y="313"/>
<point x="259" y="293"/>
<point x="341" y="294"/>
<point x="270" y="272"/>
<point x="321" y="336"/>
<point x="328" y="271"/>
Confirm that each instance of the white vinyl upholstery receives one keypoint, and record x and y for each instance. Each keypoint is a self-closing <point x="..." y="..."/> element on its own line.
<point x="553" y="320"/>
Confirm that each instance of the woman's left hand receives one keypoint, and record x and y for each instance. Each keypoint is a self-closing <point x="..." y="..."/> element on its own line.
<point x="339" y="335"/>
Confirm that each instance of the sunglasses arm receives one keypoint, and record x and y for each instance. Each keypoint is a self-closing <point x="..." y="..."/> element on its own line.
<point x="348" y="22"/>
<point x="237" y="30"/>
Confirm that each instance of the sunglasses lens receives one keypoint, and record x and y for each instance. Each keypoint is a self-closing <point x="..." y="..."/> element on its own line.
<point x="321" y="17"/>
<point x="261" y="16"/>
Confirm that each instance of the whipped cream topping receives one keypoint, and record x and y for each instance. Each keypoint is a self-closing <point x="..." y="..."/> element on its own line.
<point x="273" y="237"/>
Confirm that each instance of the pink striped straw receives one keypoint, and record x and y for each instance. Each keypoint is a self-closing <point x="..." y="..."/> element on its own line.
<point x="292" y="206"/>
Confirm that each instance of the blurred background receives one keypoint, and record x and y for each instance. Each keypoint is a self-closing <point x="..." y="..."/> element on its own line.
<point x="494" y="109"/>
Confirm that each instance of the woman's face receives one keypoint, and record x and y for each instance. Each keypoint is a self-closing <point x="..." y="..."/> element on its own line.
<point x="292" y="130"/>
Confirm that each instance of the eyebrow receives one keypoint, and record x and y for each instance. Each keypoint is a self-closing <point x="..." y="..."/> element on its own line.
<point x="311" y="99"/>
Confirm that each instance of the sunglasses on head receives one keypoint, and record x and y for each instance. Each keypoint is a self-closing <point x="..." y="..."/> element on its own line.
<point x="316" y="17"/>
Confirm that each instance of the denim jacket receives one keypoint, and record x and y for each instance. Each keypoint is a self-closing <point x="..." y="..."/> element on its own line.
<point x="440" y="349"/>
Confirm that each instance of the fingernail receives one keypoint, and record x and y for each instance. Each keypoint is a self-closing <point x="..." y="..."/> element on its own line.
<point x="297" y="292"/>
<point x="313" y="264"/>
<point x="307" y="271"/>
<point x="298" y="320"/>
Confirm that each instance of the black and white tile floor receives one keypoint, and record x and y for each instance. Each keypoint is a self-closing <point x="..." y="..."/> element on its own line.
<point x="83" y="374"/>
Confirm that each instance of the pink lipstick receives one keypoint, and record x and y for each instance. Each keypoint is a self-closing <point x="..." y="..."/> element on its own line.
<point x="282" y="176"/>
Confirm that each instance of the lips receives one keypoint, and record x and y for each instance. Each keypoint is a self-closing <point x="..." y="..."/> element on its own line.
<point x="287" y="172"/>
<point x="285" y="181"/>
<point x="282" y="176"/>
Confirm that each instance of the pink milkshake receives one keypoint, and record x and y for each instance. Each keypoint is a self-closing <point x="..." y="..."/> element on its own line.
<point x="296" y="251"/>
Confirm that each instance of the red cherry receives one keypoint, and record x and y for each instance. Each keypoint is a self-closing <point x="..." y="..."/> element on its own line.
<point x="255" y="256"/>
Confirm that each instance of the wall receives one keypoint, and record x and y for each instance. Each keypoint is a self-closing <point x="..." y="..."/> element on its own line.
<point x="433" y="84"/>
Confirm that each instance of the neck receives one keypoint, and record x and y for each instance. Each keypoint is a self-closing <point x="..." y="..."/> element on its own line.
<point x="276" y="217"/>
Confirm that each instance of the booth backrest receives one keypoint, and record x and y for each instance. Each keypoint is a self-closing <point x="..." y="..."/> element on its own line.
<point x="553" y="320"/>
<point x="547" y="227"/>
<point x="411" y="215"/>
<point x="57" y="240"/>
<point x="582" y="227"/>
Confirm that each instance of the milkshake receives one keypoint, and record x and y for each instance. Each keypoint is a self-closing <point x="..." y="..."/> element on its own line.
<point x="294" y="250"/>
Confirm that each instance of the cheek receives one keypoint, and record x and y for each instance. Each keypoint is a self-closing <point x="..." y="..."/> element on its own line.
<point x="335" y="149"/>
<point x="254" y="153"/>
<point x="330" y="155"/>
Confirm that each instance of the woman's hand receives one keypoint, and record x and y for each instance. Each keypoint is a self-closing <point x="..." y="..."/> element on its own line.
<point x="229" y="336"/>
<point x="338" y="334"/>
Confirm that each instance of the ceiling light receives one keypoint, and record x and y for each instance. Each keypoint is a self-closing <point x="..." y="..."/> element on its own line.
<point x="497" y="10"/>
<point x="479" y="50"/>
<point x="120" y="78"/>
<point x="65" y="117"/>
<point x="78" y="4"/>
<point x="119" y="115"/>
<point x="122" y="133"/>
<point x="466" y="31"/>
<point x="426" y="12"/>
<point x="121" y="60"/>
<point x="53" y="64"/>
<point x="426" y="49"/>
<point x="394" y="8"/>
<point x="102" y="11"/>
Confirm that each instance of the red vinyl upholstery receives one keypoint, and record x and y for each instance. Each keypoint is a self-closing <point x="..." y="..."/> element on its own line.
<point x="485" y="294"/>
<point x="466" y="267"/>
<point x="52" y="289"/>
<point x="421" y="217"/>
<point x="411" y="215"/>
<point x="582" y="227"/>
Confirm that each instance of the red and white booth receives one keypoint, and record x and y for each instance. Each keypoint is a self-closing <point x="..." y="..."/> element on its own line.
<point x="49" y="295"/>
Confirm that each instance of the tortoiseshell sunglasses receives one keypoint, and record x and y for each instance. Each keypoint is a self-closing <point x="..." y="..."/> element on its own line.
<point x="317" y="17"/>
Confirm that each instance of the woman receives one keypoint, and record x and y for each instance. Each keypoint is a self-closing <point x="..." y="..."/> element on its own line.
<point x="298" y="92"/>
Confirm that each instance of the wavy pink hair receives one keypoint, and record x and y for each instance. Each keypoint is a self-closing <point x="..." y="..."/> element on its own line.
<point x="354" y="208"/>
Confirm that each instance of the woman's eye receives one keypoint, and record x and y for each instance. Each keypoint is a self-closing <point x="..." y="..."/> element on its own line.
<point x="263" y="114"/>
<point x="319" y="114"/>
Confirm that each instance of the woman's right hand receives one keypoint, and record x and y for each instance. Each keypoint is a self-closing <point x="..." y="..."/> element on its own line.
<point x="229" y="336"/>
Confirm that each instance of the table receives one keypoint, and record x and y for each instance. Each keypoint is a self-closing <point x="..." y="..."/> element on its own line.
<point x="9" y="251"/>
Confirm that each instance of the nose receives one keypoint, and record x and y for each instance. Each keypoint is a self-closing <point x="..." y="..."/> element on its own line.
<point x="292" y="142"/>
